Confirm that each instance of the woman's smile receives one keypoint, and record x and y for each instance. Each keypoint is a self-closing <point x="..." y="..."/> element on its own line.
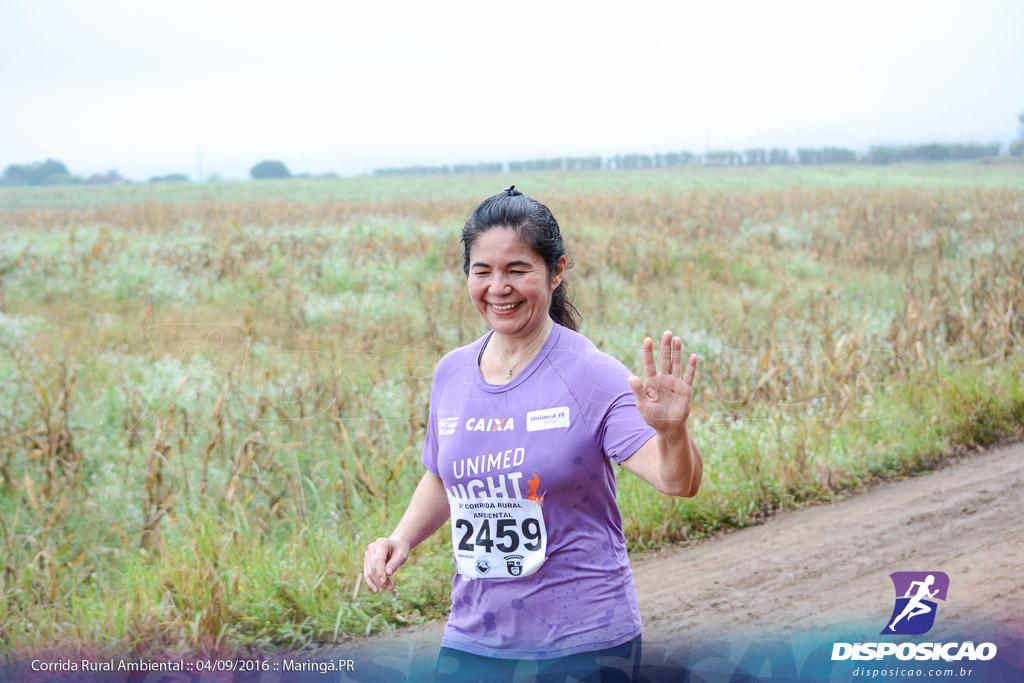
<point x="509" y="284"/>
<point x="504" y="308"/>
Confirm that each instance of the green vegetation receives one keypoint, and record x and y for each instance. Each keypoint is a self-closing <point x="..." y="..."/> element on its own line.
<point x="49" y="172"/>
<point x="1017" y="146"/>
<point x="469" y="188"/>
<point x="170" y="178"/>
<point x="878" y="154"/>
<point x="269" y="169"/>
<point x="213" y="396"/>
<point x="887" y="154"/>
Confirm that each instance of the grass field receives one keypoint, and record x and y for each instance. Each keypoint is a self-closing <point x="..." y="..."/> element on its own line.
<point x="547" y="184"/>
<point x="212" y="396"/>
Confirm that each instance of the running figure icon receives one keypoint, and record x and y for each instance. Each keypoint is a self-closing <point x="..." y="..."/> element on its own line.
<point x="915" y="606"/>
<point x="917" y="595"/>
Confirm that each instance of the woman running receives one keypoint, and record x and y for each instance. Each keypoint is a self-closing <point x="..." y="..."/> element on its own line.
<point x="525" y="424"/>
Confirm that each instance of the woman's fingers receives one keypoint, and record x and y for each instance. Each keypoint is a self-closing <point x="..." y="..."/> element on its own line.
<point x="369" y="576"/>
<point x="671" y="359"/>
<point x="666" y="353"/>
<point x="691" y="368"/>
<point x="648" y="358"/>
<point x="677" y="356"/>
<point x="397" y="559"/>
<point x="370" y="573"/>
<point x="639" y="393"/>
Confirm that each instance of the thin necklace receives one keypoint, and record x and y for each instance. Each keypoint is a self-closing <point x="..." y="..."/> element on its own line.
<point x="508" y="377"/>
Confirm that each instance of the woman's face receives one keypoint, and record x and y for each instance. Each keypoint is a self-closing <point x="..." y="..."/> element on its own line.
<point x="509" y="283"/>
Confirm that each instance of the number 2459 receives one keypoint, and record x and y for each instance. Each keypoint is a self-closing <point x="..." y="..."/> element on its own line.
<point x="506" y="535"/>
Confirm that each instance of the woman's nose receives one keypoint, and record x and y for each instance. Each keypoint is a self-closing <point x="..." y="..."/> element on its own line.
<point x="500" y="283"/>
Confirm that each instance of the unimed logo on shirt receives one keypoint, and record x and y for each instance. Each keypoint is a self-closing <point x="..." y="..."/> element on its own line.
<point x="549" y="418"/>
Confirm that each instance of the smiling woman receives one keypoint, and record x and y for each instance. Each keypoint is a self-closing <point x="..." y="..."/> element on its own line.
<point x="515" y="264"/>
<point x="526" y="424"/>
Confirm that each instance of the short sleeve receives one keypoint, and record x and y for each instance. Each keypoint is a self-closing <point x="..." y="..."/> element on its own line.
<point x="450" y="365"/>
<point x="620" y="429"/>
<point x="429" y="456"/>
<point x="623" y="430"/>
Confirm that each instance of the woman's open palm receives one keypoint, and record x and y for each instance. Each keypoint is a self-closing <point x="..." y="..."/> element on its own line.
<point x="664" y="396"/>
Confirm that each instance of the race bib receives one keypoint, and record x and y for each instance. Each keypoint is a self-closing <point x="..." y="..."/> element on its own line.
<point x="497" y="538"/>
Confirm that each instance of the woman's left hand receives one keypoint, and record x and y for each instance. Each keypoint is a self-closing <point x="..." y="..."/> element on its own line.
<point x="664" y="397"/>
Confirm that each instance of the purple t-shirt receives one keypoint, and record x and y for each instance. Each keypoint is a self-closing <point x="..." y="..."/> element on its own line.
<point x="536" y="533"/>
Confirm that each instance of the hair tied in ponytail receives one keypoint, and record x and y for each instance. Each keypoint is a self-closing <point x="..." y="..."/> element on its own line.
<point x="536" y="228"/>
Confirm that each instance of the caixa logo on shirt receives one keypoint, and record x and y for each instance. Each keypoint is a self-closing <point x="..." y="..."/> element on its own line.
<point x="490" y="424"/>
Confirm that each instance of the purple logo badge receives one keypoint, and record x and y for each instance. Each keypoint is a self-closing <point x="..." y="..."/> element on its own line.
<point x="916" y="592"/>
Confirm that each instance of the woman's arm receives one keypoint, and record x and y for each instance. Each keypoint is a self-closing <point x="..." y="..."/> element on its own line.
<point x="427" y="512"/>
<point x="673" y="467"/>
<point x="670" y="461"/>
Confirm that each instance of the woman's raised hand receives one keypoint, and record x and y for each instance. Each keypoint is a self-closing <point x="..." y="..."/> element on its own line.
<point x="664" y="397"/>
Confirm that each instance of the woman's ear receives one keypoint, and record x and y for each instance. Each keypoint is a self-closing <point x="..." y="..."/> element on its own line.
<point x="559" y="274"/>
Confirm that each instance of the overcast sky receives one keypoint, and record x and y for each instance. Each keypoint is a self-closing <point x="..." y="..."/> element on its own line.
<point x="149" y="87"/>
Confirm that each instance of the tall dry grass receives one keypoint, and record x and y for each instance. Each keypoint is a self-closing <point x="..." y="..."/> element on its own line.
<point x="210" y="407"/>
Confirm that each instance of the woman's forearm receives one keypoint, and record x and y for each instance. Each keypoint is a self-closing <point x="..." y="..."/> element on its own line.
<point x="680" y="463"/>
<point x="427" y="512"/>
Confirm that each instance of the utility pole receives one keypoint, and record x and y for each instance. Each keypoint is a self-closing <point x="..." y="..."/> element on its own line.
<point x="707" y="142"/>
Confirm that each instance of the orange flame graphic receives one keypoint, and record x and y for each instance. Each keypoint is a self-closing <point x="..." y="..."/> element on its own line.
<point x="531" y="492"/>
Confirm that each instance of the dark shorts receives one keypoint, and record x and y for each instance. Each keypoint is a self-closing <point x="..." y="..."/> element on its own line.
<point x="619" y="664"/>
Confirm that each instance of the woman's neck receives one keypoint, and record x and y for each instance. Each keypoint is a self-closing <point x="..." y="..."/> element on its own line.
<point x="513" y="349"/>
<point x="505" y="357"/>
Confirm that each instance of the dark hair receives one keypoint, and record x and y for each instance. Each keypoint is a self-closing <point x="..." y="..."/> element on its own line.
<point x="534" y="224"/>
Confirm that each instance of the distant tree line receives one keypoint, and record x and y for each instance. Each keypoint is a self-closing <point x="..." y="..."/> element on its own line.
<point x="496" y="167"/>
<point x="53" y="172"/>
<point x="887" y="154"/>
<point x="1017" y="146"/>
<point x="272" y="168"/>
<point x="758" y="156"/>
<point x="49" y="172"/>
<point x="827" y="155"/>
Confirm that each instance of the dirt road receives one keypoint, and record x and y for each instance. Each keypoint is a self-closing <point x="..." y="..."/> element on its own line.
<point x="826" y="568"/>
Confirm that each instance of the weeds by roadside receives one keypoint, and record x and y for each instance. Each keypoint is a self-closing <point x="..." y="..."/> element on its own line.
<point x="209" y="408"/>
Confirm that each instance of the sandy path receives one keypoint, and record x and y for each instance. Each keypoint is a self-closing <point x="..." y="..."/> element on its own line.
<point x="827" y="566"/>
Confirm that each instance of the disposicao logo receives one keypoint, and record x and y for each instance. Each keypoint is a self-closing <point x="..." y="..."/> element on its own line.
<point x="916" y="593"/>
<point x="914" y="614"/>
